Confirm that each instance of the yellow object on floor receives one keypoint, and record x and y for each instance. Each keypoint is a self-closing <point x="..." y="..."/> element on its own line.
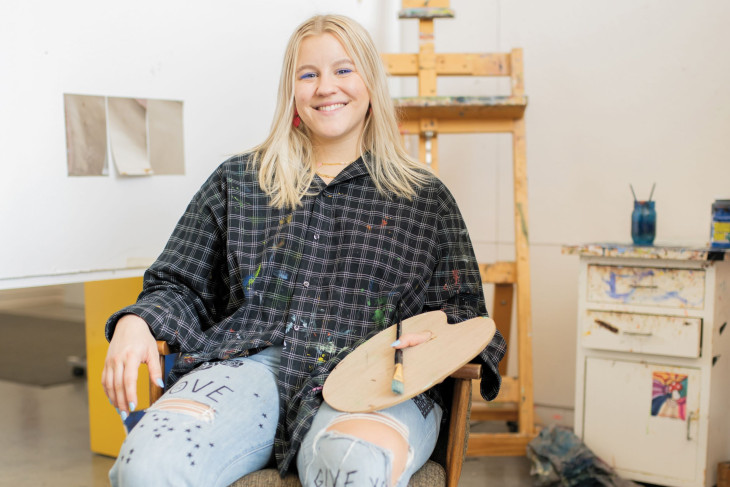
<point x="102" y="299"/>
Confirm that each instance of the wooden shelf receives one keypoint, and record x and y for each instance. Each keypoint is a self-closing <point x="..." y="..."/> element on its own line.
<point x="461" y="107"/>
<point x="647" y="251"/>
<point x="498" y="444"/>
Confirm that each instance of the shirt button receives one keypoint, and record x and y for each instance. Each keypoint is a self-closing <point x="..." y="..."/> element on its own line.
<point x="316" y="236"/>
<point x="305" y="283"/>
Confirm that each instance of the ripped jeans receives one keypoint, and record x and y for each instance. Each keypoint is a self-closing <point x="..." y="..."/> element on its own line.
<point x="218" y="423"/>
<point x="334" y="459"/>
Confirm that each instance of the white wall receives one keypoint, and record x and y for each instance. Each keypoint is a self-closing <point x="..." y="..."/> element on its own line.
<point x="620" y="91"/>
<point x="221" y="58"/>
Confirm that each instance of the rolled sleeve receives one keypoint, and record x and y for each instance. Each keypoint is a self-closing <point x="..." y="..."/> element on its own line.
<point x="456" y="288"/>
<point x="183" y="289"/>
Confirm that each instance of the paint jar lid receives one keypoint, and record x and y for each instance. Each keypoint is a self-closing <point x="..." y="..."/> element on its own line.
<point x="721" y="204"/>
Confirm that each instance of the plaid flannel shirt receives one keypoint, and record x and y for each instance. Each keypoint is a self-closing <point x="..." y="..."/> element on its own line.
<point x="238" y="275"/>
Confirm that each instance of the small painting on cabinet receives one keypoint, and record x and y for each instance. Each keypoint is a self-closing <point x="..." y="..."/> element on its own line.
<point x="669" y="395"/>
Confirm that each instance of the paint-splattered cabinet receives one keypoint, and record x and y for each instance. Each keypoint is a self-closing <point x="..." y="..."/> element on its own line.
<point x="653" y="361"/>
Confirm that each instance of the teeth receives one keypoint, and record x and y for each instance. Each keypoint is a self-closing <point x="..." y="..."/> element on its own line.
<point x="329" y="108"/>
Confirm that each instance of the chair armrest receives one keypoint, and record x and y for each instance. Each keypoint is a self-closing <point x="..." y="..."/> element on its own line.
<point x="156" y="391"/>
<point x="163" y="348"/>
<point x="468" y="371"/>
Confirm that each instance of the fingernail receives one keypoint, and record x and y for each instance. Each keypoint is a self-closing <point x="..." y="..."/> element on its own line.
<point x="395" y="343"/>
<point x="131" y="407"/>
<point x="124" y="415"/>
<point x="160" y="383"/>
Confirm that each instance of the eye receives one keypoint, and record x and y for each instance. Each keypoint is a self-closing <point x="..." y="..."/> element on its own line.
<point x="307" y="76"/>
<point x="344" y="71"/>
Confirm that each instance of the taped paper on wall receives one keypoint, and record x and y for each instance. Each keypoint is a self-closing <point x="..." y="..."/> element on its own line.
<point x="128" y="134"/>
<point x="145" y="135"/>
<point x="165" y="122"/>
<point x="85" y="135"/>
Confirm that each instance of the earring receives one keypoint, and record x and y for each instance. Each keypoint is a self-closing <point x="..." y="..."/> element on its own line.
<point x="297" y="121"/>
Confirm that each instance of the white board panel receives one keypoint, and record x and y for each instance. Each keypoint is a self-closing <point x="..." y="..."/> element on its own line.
<point x="221" y="59"/>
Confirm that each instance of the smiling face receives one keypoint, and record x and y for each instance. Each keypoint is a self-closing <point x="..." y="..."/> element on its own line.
<point x="330" y="96"/>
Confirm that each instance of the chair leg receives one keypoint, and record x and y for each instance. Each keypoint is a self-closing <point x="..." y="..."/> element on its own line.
<point x="458" y="425"/>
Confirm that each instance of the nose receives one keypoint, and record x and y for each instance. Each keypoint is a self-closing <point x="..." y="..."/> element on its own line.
<point x="327" y="85"/>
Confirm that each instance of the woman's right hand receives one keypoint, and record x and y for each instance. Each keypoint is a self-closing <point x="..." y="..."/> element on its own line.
<point x="131" y="345"/>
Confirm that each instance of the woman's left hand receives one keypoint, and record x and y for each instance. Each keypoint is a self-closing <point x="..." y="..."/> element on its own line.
<point x="412" y="339"/>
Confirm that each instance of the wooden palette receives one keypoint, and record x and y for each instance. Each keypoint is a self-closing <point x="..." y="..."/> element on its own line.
<point x="362" y="381"/>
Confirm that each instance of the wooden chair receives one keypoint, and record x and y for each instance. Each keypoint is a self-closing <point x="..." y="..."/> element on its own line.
<point x="444" y="468"/>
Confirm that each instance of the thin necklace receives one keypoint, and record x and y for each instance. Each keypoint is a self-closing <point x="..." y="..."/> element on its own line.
<point x="328" y="176"/>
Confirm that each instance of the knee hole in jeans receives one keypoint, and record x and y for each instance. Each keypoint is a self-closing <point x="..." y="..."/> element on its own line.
<point x="197" y="410"/>
<point x="381" y="431"/>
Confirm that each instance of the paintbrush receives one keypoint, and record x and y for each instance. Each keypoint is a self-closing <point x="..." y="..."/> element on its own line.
<point x="397" y="384"/>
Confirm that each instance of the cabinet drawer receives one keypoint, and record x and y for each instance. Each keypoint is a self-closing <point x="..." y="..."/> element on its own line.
<point x="640" y="333"/>
<point x="646" y="286"/>
<point x="643" y="418"/>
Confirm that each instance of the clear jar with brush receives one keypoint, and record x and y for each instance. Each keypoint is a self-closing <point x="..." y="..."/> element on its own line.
<point x="643" y="220"/>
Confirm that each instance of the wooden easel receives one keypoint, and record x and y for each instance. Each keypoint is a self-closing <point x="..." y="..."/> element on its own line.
<point x="429" y="115"/>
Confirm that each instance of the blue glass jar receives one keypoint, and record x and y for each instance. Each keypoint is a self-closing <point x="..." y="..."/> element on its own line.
<point x="643" y="223"/>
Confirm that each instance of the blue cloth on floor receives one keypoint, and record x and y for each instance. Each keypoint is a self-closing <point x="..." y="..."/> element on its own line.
<point x="559" y="458"/>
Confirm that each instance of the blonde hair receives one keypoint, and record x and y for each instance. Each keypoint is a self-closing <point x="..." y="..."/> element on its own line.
<point x="285" y="159"/>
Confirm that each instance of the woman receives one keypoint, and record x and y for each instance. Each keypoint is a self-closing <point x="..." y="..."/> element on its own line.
<point x="286" y="259"/>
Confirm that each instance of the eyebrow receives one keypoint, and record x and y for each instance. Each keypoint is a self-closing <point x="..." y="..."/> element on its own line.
<point x="339" y="62"/>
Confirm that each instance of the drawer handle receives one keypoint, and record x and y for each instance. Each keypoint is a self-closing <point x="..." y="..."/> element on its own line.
<point x="689" y="421"/>
<point x="639" y="333"/>
<point x="606" y="325"/>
